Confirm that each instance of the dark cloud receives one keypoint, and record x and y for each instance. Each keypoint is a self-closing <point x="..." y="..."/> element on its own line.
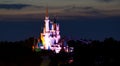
<point x="87" y="10"/>
<point x="105" y="0"/>
<point x="91" y="10"/>
<point x="13" y="6"/>
<point x="7" y="1"/>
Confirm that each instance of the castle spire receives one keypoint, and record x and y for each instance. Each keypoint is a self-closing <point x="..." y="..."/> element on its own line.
<point x="46" y="15"/>
<point x="47" y="11"/>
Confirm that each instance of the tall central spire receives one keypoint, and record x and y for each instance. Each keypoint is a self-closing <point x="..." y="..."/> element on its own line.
<point x="47" y="11"/>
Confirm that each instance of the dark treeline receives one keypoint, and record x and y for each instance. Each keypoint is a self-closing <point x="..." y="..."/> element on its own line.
<point x="18" y="53"/>
<point x="93" y="53"/>
<point x="96" y="53"/>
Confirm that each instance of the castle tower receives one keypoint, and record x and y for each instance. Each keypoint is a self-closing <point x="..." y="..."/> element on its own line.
<point x="47" y="21"/>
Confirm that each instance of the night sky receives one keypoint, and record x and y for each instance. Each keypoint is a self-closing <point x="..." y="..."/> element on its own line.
<point x="78" y="19"/>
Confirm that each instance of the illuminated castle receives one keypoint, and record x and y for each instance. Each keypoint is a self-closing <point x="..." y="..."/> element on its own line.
<point x="51" y="33"/>
<point x="50" y="37"/>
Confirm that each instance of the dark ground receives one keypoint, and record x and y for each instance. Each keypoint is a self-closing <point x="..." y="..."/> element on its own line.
<point x="95" y="53"/>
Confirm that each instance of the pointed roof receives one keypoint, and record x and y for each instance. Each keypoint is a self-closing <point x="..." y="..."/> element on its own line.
<point x="46" y="12"/>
